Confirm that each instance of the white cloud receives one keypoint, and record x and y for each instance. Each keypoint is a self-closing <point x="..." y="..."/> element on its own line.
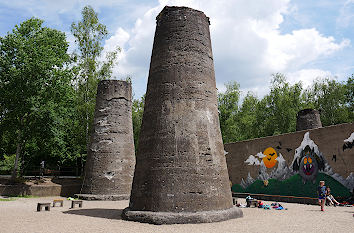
<point x="248" y="45"/>
<point x="119" y="39"/>
<point x="308" y="76"/>
<point x="346" y="14"/>
<point x="291" y="51"/>
<point x="136" y="44"/>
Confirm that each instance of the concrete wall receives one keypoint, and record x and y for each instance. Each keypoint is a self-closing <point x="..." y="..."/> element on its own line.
<point x="60" y="187"/>
<point x="274" y="164"/>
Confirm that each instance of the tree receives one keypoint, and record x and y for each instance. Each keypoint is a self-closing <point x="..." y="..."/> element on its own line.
<point x="274" y="114"/>
<point x="247" y="118"/>
<point x="137" y="114"/>
<point x="349" y="97"/>
<point x="228" y="109"/>
<point x="331" y="98"/>
<point x="280" y="106"/>
<point x="34" y="80"/>
<point x="89" y="34"/>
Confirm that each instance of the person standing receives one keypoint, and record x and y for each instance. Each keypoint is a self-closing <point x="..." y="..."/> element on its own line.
<point x="321" y="191"/>
<point x="42" y="169"/>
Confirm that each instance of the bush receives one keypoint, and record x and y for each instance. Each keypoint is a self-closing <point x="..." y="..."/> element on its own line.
<point x="7" y="164"/>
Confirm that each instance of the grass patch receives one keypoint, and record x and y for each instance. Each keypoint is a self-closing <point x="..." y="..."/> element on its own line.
<point x="8" y="199"/>
<point x="23" y="196"/>
<point x="14" y="198"/>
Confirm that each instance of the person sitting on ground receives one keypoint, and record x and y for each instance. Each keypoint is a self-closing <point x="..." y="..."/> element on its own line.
<point x="330" y="198"/>
<point x="321" y="191"/>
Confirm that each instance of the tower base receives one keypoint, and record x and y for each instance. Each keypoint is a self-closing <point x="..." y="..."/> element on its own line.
<point x="160" y="218"/>
<point x="97" y="197"/>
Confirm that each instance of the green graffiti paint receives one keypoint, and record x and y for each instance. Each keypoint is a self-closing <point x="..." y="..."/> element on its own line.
<point x="294" y="187"/>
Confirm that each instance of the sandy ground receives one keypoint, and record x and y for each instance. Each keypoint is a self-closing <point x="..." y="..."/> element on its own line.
<point x="104" y="216"/>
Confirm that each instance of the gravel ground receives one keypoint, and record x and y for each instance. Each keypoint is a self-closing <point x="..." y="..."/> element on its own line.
<point x="104" y="216"/>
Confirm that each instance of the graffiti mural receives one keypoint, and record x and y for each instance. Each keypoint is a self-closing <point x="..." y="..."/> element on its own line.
<point x="349" y="142"/>
<point x="307" y="166"/>
<point x="270" y="157"/>
<point x="267" y="160"/>
<point x="308" y="160"/>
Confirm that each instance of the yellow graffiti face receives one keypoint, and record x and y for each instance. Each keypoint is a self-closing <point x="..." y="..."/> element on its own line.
<point x="270" y="159"/>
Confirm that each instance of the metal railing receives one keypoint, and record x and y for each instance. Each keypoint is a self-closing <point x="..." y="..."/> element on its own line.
<point x="51" y="171"/>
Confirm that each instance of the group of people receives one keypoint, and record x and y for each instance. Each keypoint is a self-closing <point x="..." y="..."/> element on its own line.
<point x="324" y="194"/>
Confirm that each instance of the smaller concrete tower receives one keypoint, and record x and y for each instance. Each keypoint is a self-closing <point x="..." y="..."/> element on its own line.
<point x="308" y="119"/>
<point x="111" y="158"/>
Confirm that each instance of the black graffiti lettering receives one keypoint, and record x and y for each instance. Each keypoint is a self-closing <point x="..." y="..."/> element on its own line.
<point x="348" y="145"/>
<point x="334" y="157"/>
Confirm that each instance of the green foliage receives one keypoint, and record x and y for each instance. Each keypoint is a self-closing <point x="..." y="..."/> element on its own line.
<point x="281" y="106"/>
<point x="247" y="117"/>
<point x="349" y="97"/>
<point x="35" y="84"/>
<point x="228" y="109"/>
<point x="137" y="114"/>
<point x="276" y="112"/>
<point x="89" y="34"/>
<point x="7" y="163"/>
<point x="294" y="187"/>
<point x="8" y="199"/>
<point x="332" y="98"/>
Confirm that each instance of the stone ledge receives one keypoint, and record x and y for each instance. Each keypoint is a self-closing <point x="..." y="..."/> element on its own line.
<point x="160" y="218"/>
<point x="93" y="197"/>
<point x="278" y="198"/>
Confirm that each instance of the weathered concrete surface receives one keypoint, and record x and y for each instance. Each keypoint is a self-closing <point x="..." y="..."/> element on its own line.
<point x="180" y="166"/>
<point x="56" y="187"/>
<point x="110" y="161"/>
<point x="96" y="197"/>
<point x="35" y="190"/>
<point x="160" y="218"/>
<point x="308" y="119"/>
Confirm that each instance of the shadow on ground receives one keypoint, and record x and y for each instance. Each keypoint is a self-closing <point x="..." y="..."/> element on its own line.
<point x="98" y="213"/>
<point x="352" y="212"/>
<point x="325" y="210"/>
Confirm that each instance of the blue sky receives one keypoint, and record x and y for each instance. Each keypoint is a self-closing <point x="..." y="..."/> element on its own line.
<point x="251" y="39"/>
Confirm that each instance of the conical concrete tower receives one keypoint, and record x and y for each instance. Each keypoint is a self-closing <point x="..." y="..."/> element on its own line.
<point x="111" y="158"/>
<point x="181" y="174"/>
<point x="308" y="119"/>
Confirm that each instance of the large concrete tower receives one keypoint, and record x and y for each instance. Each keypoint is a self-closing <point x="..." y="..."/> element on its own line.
<point x="181" y="174"/>
<point x="110" y="161"/>
<point x="308" y="119"/>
